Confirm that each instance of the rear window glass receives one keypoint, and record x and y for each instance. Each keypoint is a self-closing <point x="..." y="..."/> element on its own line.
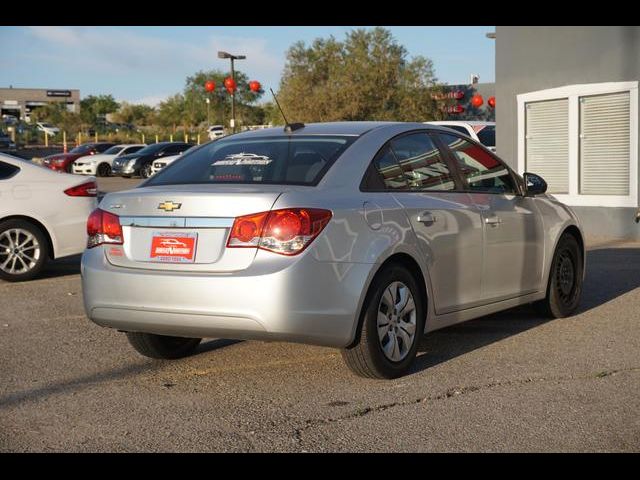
<point x="300" y="160"/>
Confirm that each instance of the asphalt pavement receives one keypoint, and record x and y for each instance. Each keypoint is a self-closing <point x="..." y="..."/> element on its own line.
<point x="507" y="382"/>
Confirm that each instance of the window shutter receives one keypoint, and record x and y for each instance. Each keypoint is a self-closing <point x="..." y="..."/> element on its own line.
<point x="605" y="144"/>
<point x="547" y="142"/>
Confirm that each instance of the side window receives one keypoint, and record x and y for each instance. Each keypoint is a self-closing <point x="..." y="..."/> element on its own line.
<point x="421" y="163"/>
<point x="173" y="150"/>
<point x="481" y="171"/>
<point x="7" y="170"/>
<point x="129" y="150"/>
<point x="389" y="174"/>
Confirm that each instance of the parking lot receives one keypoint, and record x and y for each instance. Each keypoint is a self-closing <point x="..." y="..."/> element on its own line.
<point x="507" y="382"/>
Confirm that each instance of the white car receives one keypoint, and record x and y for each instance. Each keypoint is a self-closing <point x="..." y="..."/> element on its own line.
<point x="159" y="164"/>
<point x="100" y="164"/>
<point x="480" y="131"/>
<point x="215" y="131"/>
<point x="43" y="215"/>
<point x="47" y="128"/>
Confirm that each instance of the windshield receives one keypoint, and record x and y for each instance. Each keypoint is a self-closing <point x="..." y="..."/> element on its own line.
<point x="487" y="136"/>
<point x="113" y="150"/>
<point x="82" y="148"/>
<point x="265" y="160"/>
<point x="151" y="149"/>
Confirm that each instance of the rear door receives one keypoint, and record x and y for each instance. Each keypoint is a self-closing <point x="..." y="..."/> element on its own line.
<point x="447" y="225"/>
<point x="513" y="230"/>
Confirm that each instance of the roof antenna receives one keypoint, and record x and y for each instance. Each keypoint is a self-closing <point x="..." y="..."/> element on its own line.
<point x="289" y="127"/>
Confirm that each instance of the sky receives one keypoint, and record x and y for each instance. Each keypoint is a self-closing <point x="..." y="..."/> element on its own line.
<point x="148" y="64"/>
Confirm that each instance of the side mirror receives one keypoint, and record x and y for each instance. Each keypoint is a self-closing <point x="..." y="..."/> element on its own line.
<point x="534" y="184"/>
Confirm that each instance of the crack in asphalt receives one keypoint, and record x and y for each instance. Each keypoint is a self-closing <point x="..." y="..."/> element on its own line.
<point x="451" y="392"/>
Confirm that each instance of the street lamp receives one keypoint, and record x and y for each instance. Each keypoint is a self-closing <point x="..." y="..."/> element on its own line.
<point x="233" y="94"/>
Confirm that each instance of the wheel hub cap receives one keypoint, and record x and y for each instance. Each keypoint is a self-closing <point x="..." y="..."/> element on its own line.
<point x="396" y="321"/>
<point x="565" y="275"/>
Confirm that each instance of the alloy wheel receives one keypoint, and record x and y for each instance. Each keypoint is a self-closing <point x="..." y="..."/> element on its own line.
<point x="396" y="321"/>
<point x="19" y="251"/>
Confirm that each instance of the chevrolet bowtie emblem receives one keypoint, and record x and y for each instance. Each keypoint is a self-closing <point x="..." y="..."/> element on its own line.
<point x="169" y="206"/>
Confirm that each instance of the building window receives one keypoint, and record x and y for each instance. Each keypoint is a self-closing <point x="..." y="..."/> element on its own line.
<point x="604" y="144"/>
<point x="547" y="142"/>
<point x="583" y="140"/>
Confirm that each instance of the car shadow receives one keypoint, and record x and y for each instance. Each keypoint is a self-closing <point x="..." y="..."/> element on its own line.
<point x="115" y="374"/>
<point x="61" y="267"/>
<point x="610" y="273"/>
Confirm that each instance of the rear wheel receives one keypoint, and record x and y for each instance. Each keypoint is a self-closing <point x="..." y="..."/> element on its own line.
<point x="104" y="170"/>
<point x="23" y="250"/>
<point x="565" y="280"/>
<point x="391" y="327"/>
<point x="162" y="346"/>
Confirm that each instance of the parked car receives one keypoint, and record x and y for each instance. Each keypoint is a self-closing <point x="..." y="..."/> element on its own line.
<point x="47" y="128"/>
<point x="63" y="162"/>
<point x="100" y="164"/>
<point x="43" y="216"/>
<point x="215" y="131"/>
<point x="355" y="235"/>
<point x="6" y="144"/>
<point x="140" y="163"/>
<point x="480" y="131"/>
<point x="166" y="161"/>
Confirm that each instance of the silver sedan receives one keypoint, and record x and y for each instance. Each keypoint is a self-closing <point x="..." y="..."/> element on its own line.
<point x="357" y="235"/>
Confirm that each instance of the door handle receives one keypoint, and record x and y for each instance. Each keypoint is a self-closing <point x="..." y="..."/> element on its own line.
<point x="493" y="221"/>
<point x="426" y="217"/>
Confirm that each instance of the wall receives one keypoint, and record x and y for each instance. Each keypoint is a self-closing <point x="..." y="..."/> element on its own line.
<point x="537" y="58"/>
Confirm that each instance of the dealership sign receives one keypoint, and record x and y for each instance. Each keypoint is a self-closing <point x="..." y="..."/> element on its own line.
<point x="58" y="93"/>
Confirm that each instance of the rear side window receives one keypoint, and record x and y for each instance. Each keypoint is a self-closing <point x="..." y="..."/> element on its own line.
<point x="410" y="162"/>
<point x="481" y="171"/>
<point x="7" y="170"/>
<point x="421" y="163"/>
<point x="282" y="160"/>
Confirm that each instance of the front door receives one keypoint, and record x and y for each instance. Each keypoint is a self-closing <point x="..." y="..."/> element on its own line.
<point x="513" y="230"/>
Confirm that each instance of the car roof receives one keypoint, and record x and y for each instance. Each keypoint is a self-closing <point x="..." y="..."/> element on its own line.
<point x="461" y="122"/>
<point x="330" y="128"/>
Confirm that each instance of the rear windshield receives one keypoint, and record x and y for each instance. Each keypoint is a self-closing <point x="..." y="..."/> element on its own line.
<point x="299" y="160"/>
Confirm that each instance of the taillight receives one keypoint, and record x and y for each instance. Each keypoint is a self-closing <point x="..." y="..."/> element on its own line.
<point x="88" y="189"/>
<point x="287" y="232"/>
<point x="103" y="227"/>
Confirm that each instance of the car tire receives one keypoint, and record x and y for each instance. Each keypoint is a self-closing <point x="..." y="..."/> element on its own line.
<point x="162" y="346"/>
<point x="28" y="262"/>
<point x="373" y="357"/>
<point x="145" y="170"/>
<point x="103" y="170"/>
<point x="565" y="280"/>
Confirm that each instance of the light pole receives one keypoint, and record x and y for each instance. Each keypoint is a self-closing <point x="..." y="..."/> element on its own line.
<point x="208" y="100"/>
<point x="233" y="93"/>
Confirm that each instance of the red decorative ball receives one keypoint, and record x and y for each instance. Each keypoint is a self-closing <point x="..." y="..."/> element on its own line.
<point x="492" y="102"/>
<point x="230" y="84"/>
<point x="477" y="100"/>
<point x="254" y="86"/>
<point x="209" y="85"/>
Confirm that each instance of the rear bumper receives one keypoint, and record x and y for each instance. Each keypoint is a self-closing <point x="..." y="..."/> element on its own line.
<point x="307" y="301"/>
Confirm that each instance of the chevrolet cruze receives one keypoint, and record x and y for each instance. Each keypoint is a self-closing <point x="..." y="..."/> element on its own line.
<point x="357" y="235"/>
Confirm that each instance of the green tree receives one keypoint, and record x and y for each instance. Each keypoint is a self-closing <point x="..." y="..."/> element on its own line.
<point x="135" y="114"/>
<point x="95" y="107"/>
<point x="365" y="77"/>
<point x="171" y="111"/>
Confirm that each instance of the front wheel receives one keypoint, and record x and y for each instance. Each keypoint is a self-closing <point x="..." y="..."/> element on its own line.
<point x="104" y="170"/>
<point x="145" y="171"/>
<point x="392" y="323"/>
<point x="162" y="346"/>
<point x="565" y="280"/>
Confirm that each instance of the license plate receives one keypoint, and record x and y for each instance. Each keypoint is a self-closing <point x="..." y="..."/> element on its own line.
<point x="173" y="247"/>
